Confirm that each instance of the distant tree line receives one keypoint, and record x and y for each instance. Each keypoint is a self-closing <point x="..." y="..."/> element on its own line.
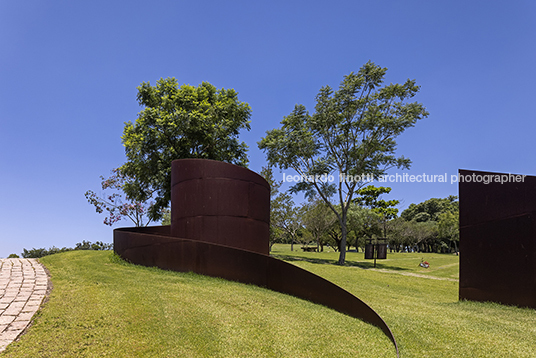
<point x="84" y="245"/>
<point x="430" y="226"/>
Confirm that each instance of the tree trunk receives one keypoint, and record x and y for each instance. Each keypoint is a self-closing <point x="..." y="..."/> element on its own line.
<point x="342" y="254"/>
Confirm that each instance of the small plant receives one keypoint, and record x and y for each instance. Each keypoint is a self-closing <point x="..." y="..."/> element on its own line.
<point x="13" y="256"/>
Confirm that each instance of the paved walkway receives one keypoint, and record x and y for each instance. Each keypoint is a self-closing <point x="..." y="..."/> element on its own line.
<point x="23" y="285"/>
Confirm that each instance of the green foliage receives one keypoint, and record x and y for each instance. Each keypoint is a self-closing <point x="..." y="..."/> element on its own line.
<point x="352" y="133"/>
<point x="363" y="223"/>
<point x="369" y="196"/>
<point x="84" y="245"/>
<point x="318" y="219"/>
<point x="448" y="227"/>
<point x="428" y="226"/>
<point x="285" y="217"/>
<point x="430" y="209"/>
<point x="98" y="245"/>
<point x="13" y="256"/>
<point x="166" y="217"/>
<point x="414" y="236"/>
<point x="37" y="253"/>
<point x="176" y="123"/>
<point x="113" y="203"/>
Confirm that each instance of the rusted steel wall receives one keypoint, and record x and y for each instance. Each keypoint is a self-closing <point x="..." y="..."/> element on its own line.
<point x="184" y="255"/>
<point x="498" y="238"/>
<point x="220" y="217"/>
<point x="220" y="203"/>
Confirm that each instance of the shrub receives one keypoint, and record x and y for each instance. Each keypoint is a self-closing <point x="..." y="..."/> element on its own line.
<point x="84" y="245"/>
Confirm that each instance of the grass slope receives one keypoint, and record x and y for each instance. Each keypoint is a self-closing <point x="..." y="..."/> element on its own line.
<point x="101" y="307"/>
<point x="421" y="305"/>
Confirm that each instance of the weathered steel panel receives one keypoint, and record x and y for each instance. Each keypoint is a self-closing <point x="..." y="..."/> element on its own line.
<point x="220" y="227"/>
<point x="206" y="258"/>
<point x="221" y="203"/>
<point x="498" y="238"/>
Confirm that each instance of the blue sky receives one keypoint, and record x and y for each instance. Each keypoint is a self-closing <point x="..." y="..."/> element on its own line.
<point x="69" y="72"/>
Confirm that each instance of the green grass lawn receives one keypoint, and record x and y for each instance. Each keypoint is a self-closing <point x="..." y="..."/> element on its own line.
<point x="424" y="312"/>
<point x="101" y="307"/>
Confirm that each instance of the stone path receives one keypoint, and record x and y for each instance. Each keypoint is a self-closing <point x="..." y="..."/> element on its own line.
<point x="23" y="285"/>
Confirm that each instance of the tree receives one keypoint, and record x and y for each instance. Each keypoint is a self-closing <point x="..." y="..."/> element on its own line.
<point x="166" y="217"/>
<point x="351" y="134"/>
<point x="285" y="218"/>
<point x="442" y="216"/>
<point x="275" y="202"/>
<point x="448" y="226"/>
<point x="176" y="123"/>
<point x="364" y="223"/>
<point x="369" y="196"/>
<point x="113" y="203"/>
<point x="98" y="245"/>
<point x="430" y="209"/>
<point x="317" y="219"/>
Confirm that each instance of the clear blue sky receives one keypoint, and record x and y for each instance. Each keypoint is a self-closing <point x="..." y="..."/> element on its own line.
<point x="69" y="72"/>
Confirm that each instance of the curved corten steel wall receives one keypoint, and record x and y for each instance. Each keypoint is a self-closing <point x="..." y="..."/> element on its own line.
<point x="221" y="203"/>
<point x="214" y="252"/>
<point x="183" y="255"/>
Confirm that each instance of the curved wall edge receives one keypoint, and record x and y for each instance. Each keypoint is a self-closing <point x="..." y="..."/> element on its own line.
<point x="219" y="202"/>
<point x="154" y="246"/>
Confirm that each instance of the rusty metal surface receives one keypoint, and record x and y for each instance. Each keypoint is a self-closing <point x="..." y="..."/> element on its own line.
<point x="221" y="203"/>
<point x="498" y="240"/>
<point x="220" y="228"/>
<point x="376" y="249"/>
<point x="184" y="255"/>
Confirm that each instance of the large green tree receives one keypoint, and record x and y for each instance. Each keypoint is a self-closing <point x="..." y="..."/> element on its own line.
<point x="180" y="122"/>
<point x="369" y="196"/>
<point x="352" y="133"/>
<point x="431" y="209"/>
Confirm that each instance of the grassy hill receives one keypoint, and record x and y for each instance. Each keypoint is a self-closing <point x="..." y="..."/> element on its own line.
<point x="103" y="307"/>
<point x="421" y="305"/>
<point x="100" y="307"/>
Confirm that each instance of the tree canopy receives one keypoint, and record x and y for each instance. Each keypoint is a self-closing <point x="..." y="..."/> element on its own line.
<point x="351" y="134"/>
<point x="430" y="209"/>
<point x="176" y="123"/>
<point x="428" y="226"/>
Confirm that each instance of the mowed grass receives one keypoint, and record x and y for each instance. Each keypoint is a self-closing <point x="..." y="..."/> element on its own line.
<point x="102" y="307"/>
<point x="421" y="305"/>
<point x="441" y="265"/>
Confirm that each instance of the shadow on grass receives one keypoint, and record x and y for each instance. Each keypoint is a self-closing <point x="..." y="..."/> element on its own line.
<point x="360" y="264"/>
<point x="473" y="306"/>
